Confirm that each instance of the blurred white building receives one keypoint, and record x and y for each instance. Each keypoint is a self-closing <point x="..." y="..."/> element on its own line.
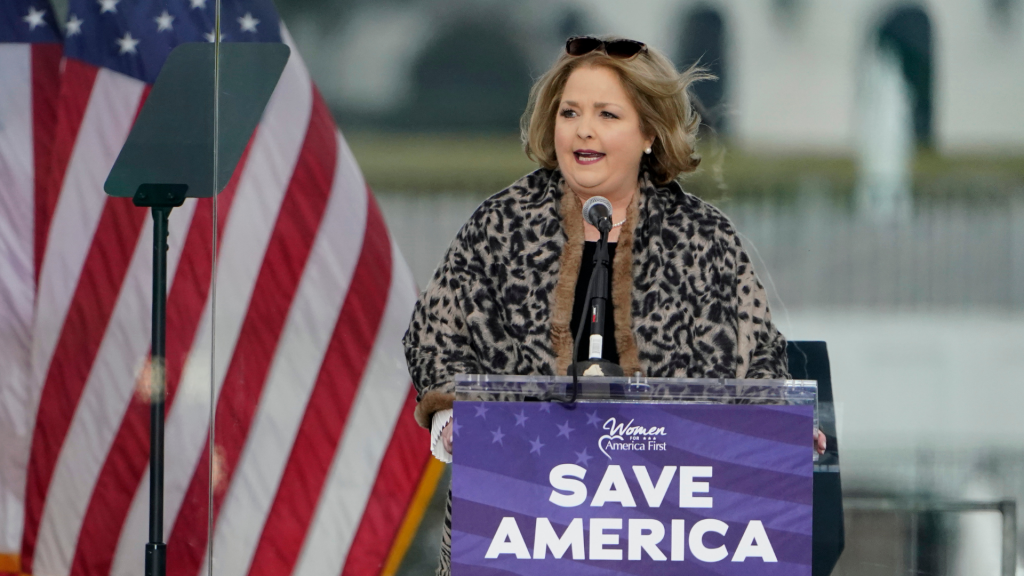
<point x="792" y="70"/>
<point x="794" y="67"/>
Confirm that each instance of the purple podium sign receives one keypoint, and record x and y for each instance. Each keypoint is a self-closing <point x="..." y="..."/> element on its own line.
<point x="619" y="488"/>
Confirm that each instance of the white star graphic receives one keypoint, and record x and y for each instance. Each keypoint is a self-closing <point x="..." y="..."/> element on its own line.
<point x="34" y="18"/>
<point x="209" y="36"/>
<point x="128" y="44"/>
<point x="481" y="411"/>
<point x="593" y="419"/>
<point x="248" y="23"/>
<point x="583" y="457"/>
<point x="521" y="418"/>
<point x="74" y="26"/>
<point x="497" y="436"/>
<point x="198" y="4"/>
<point x="164" y="22"/>
<point x="108" y="6"/>
<point x="535" y="446"/>
<point x="545" y="407"/>
<point x="565" y="430"/>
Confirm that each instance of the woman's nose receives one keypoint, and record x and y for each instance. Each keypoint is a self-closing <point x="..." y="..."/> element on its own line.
<point x="583" y="129"/>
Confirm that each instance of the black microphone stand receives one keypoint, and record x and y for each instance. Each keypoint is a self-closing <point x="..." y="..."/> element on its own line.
<point x="597" y="303"/>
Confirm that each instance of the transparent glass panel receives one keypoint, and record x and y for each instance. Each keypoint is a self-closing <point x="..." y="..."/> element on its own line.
<point x="316" y="460"/>
<point x="497" y="388"/>
<point x="250" y="175"/>
<point x="124" y="290"/>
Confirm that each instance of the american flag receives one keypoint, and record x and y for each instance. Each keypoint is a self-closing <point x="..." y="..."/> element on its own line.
<point x="316" y="456"/>
<point x="30" y="52"/>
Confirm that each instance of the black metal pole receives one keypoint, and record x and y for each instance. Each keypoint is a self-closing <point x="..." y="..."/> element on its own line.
<point x="597" y="301"/>
<point x="156" y="549"/>
<point x="600" y="296"/>
<point x="161" y="198"/>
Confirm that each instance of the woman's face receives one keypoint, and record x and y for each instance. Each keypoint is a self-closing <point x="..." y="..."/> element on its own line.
<point x="598" y="141"/>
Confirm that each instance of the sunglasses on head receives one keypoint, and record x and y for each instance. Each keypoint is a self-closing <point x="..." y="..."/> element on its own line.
<point x="621" y="49"/>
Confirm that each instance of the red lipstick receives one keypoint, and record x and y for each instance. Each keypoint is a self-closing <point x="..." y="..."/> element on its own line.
<point x="585" y="156"/>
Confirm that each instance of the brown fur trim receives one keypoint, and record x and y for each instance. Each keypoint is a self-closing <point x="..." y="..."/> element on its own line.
<point x="569" y="270"/>
<point x="622" y="292"/>
<point x="433" y="401"/>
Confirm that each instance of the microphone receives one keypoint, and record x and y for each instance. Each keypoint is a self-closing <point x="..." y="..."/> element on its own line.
<point x="597" y="210"/>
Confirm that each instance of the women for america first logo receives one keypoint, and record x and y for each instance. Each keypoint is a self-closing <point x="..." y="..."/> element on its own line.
<point x="628" y="437"/>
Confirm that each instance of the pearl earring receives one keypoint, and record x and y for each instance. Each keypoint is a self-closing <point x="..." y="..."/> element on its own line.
<point x="648" y="151"/>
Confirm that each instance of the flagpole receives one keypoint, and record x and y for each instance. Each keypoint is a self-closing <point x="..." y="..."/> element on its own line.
<point x="161" y="199"/>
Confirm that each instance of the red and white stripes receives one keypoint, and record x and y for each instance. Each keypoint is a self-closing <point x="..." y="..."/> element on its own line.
<point x="89" y="249"/>
<point x="27" y="96"/>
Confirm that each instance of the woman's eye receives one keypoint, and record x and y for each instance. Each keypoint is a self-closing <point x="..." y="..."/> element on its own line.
<point x="607" y="114"/>
<point x="568" y="113"/>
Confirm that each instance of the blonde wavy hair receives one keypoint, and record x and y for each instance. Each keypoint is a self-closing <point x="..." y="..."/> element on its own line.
<point x="658" y="91"/>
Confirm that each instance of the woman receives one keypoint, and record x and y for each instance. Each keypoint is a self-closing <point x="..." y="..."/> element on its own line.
<point x="611" y="118"/>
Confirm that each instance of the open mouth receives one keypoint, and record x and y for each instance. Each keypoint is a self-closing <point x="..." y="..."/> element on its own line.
<point x="587" y="156"/>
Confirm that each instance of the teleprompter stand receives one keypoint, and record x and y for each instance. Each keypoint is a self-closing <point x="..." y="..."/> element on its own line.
<point x="186" y="142"/>
<point x="161" y="198"/>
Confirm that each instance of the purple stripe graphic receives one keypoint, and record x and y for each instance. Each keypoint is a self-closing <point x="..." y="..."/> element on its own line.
<point x="787" y="418"/>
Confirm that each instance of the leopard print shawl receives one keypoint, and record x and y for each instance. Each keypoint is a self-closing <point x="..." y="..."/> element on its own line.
<point x="686" y="300"/>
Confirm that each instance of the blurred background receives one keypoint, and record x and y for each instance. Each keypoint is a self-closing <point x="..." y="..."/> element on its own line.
<point x="871" y="153"/>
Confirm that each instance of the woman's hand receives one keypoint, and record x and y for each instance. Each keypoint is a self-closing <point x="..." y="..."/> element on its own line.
<point x="446" y="436"/>
<point x="819" y="442"/>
